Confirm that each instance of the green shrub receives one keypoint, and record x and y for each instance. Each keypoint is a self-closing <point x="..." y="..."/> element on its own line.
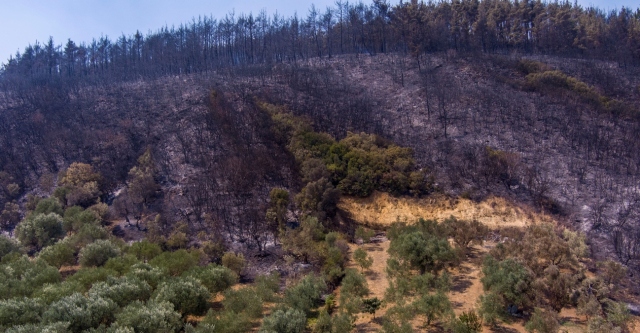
<point x="58" y="254"/>
<point x="121" y="264"/>
<point x="42" y="328"/>
<point x="47" y="206"/>
<point x="225" y="322"/>
<point x="97" y="253"/>
<point x="52" y="292"/>
<point x="20" y="311"/>
<point x="22" y="276"/>
<point x="245" y="300"/>
<point x="176" y="263"/>
<point x="289" y="321"/>
<point x="8" y="245"/>
<point x="187" y="294"/>
<point x="147" y="273"/>
<point x="123" y="290"/>
<point x="234" y="262"/>
<point x="149" y="318"/>
<point x="267" y="286"/>
<point x="87" y="276"/>
<point x="87" y="234"/>
<point x="76" y="217"/>
<point x="306" y="294"/>
<point x="40" y="230"/>
<point x="144" y="250"/>
<point x="215" y="278"/>
<point x="80" y="312"/>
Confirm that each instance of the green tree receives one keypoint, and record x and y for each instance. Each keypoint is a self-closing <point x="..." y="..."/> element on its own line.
<point x="122" y="290"/>
<point x="245" y="300"/>
<point x="82" y="184"/>
<point x="175" y="263"/>
<point x="187" y="294"/>
<point x="467" y="322"/>
<point x="21" y="276"/>
<point x="40" y="230"/>
<point x="362" y="259"/>
<point x="215" y="278"/>
<point x="371" y="305"/>
<point x="543" y="321"/>
<point x="276" y="214"/>
<point x="20" y="311"/>
<point x="305" y="295"/>
<point x="151" y="317"/>
<point x="234" y="262"/>
<point x="433" y="306"/>
<point x="80" y="312"/>
<point x="97" y="253"/>
<point x="8" y="245"/>
<point x="58" y="254"/>
<point x="290" y="321"/>
<point x="144" y="250"/>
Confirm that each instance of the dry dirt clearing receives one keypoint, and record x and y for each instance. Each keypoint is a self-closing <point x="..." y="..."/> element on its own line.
<point x="381" y="210"/>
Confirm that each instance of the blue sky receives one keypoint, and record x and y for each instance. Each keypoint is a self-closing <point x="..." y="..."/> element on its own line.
<point x="24" y="21"/>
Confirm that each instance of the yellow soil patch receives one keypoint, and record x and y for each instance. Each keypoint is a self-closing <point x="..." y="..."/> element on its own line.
<point x="381" y="210"/>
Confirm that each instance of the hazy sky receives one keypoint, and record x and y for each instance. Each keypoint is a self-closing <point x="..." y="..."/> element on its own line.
<point x="22" y="22"/>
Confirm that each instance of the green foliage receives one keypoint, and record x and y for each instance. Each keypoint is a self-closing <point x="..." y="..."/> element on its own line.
<point x="87" y="234"/>
<point x="80" y="312"/>
<point x="303" y="241"/>
<point x="151" y="317"/>
<point x="465" y="233"/>
<point x="8" y="245"/>
<point x="87" y="276"/>
<point x="362" y="259"/>
<point x="58" y="254"/>
<point x="187" y="294"/>
<point x="147" y="273"/>
<point x="276" y="214"/>
<point x="81" y="183"/>
<point x="323" y="323"/>
<point x="364" y="234"/>
<point x="215" y="278"/>
<point x="306" y="294"/>
<point x="290" y="321"/>
<point x="22" y="276"/>
<point x="357" y="165"/>
<point x="123" y="290"/>
<point x="433" y="306"/>
<point x="234" y="262"/>
<point x="61" y="327"/>
<point x="509" y="279"/>
<point x="48" y="206"/>
<point x="40" y="230"/>
<point x="121" y="264"/>
<point x="371" y="305"/>
<point x="224" y="322"/>
<point x="97" y="253"/>
<point x="244" y="300"/>
<point x="52" y="292"/>
<point x="20" y="311"/>
<point x="175" y="263"/>
<point x="267" y="286"/>
<point x="422" y="251"/>
<point x="75" y="217"/>
<point x="612" y="271"/>
<point x="467" y="322"/>
<point x="543" y="321"/>
<point x="144" y="250"/>
<point x="354" y="288"/>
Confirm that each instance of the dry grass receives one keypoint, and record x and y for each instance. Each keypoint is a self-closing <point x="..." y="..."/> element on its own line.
<point x="381" y="210"/>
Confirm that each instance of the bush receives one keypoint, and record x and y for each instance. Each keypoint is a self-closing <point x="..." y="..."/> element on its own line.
<point x="289" y="321"/>
<point x="149" y="318"/>
<point x="97" y="253"/>
<point x="362" y="259"/>
<point x="42" y="328"/>
<point x="40" y="230"/>
<point x="52" y="292"/>
<point x="267" y="286"/>
<point x="467" y="322"/>
<point x="225" y="322"/>
<point x="510" y="280"/>
<point x="121" y="264"/>
<point x="123" y="290"/>
<point x="87" y="276"/>
<point x="234" y="262"/>
<point x="20" y="311"/>
<point x="80" y="312"/>
<point x="245" y="300"/>
<point x="22" y="276"/>
<point x="76" y="217"/>
<point x="543" y="321"/>
<point x="8" y="245"/>
<point x="175" y="263"/>
<point x="144" y="250"/>
<point x="47" y="206"/>
<point x="305" y="294"/>
<point x="187" y="294"/>
<point x="215" y="278"/>
<point x="147" y="273"/>
<point x="58" y="254"/>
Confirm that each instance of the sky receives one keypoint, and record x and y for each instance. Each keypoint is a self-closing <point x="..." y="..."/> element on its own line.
<point x="24" y="22"/>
